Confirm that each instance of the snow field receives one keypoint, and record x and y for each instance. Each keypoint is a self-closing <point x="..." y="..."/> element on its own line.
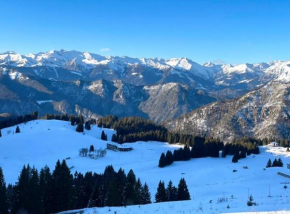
<point x="212" y="183"/>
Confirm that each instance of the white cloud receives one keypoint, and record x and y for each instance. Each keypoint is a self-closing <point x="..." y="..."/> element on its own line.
<point x="105" y="49"/>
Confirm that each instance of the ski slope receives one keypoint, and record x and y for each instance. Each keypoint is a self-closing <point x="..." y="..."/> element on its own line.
<point x="43" y="142"/>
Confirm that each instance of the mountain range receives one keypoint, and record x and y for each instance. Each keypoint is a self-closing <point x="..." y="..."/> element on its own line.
<point x="225" y="101"/>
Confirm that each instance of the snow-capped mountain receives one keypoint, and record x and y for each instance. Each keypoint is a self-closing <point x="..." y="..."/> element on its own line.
<point x="261" y="113"/>
<point x="75" y="65"/>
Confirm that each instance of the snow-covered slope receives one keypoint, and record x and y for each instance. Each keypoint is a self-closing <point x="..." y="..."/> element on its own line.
<point x="261" y="113"/>
<point x="209" y="179"/>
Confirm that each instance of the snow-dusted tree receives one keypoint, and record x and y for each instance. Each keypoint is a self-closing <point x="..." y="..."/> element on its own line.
<point x="183" y="193"/>
<point x="3" y="195"/>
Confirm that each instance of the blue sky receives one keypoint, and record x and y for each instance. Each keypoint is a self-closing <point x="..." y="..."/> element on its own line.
<point x="233" y="31"/>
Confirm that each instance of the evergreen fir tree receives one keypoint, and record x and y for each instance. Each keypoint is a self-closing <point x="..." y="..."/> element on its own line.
<point x="275" y="163"/>
<point x="171" y="193"/>
<point x="114" y="138"/>
<point x="138" y="192"/>
<point x="95" y="198"/>
<point x="235" y="158"/>
<point x="62" y="187"/>
<point x="34" y="206"/>
<point x="187" y="154"/>
<point x="161" y="193"/>
<point x="280" y="163"/>
<point x="269" y="163"/>
<point x="45" y="179"/>
<point x="92" y="148"/>
<point x="183" y="193"/>
<point x="104" y="136"/>
<point x="128" y="195"/>
<point x="162" y="161"/>
<point x="169" y="158"/>
<point x="112" y="196"/>
<point x="3" y="194"/>
<point x="80" y="127"/>
<point x="22" y="191"/>
<point x="146" y="197"/>
<point x="224" y="154"/>
<point x="17" y="129"/>
<point x="87" y="126"/>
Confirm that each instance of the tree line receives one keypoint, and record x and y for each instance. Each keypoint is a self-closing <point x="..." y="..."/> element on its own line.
<point x="12" y="121"/>
<point x="49" y="191"/>
<point x="209" y="147"/>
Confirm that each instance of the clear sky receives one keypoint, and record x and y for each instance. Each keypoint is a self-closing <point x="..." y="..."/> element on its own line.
<point x="233" y="31"/>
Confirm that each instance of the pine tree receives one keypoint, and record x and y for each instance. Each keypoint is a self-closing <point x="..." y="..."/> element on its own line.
<point x="187" y="154"/>
<point x="45" y="179"/>
<point x="162" y="161"/>
<point x="269" y="163"/>
<point x="95" y="198"/>
<point x="169" y="158"/>
<point x="275" y="163"/>
<point x="138" y="192"/>
<point x="235" y="158"/>
<point x="183" y="193"/>
<point x="112" y="196"/>
<point x="224" y="154"/>
<point x="161" y="193"/>
<point x="62" y="187"/>
<point x="171" y="192"/>
<point x="0" y="133"/>
<point x="34" y="193"/>
<point x="22" y="191"/>
<point x="17" y="129"/>
<point x="104" y="136"/>
<point x="114" y="138"/>
<point x="280" y="163"/>
<point x="128" y="195"/>
<point x="146" y="197"/>
<point x="87" y="126"/>
<point x="3" y="194"/>
<point x="92" y="148"/>
<point x="80" y="127"/>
